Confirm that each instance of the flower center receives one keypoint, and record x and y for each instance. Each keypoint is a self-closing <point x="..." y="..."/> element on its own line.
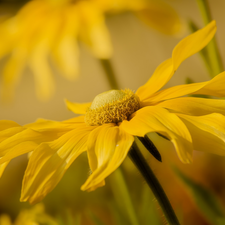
<point x="112" y="107"/>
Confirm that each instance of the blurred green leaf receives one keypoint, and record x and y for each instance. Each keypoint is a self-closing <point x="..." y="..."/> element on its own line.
<point x="68" y="218"/>
<point x="205" y="200"/>
<point x="95" y="219"/>
<point x="148" y="208"/>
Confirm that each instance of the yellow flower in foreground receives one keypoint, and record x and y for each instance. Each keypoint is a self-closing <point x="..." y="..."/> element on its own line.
<point x="33" y="216"/>
<point x="49" y="29"/>
<point x="106" y="130"/>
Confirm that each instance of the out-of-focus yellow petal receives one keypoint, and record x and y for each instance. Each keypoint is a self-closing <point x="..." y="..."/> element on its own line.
<point x="195" y="106"/>
<point x="93" y="30"/>
<point x="49" y="162"/>
<point x="42" y="73"/>
<point x="157" y="119"/>
<point x="12" y="72"/>
<point x="77" y="108"/>
<point x="5" y="220"/>
<point x="208" y="132"/>
<point x="161" y="17"/>
<point x="115" y="6"/>
<point x="65" y="52"/>
<point x="39" y="50"/>
<point x="184" y="49"/>
<point x="214" y="87"/>
<point x="111" y="148"/>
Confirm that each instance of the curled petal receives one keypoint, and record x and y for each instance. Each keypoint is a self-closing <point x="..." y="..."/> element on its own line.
<point x="156" y="119"/>
<point x="107" y="153"/>
<point x="208" y="132"/>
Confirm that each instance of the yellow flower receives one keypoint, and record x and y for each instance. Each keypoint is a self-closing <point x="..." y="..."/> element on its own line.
<point x="33" y="216"/>
<point x="106" y="130"/>
<point x="50" y="29"/>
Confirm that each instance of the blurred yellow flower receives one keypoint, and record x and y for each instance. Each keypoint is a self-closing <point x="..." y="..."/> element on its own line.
<point x="34" y="216"/>
<point x="107" y="129"/>
<point x="49" y="29"/>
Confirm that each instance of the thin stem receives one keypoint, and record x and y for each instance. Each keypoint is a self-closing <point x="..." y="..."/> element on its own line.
<point x="109" y="72"/>
<point x="212" y="48"/>
<point x="123" y="197"/>
<point x="153" y="183"/>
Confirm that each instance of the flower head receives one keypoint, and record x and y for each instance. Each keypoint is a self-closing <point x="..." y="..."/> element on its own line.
<point x="106" y="130"/>
<point x="50" y="29"/>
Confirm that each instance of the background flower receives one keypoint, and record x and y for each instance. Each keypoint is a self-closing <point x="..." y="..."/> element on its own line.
<point x="48" y="29"/>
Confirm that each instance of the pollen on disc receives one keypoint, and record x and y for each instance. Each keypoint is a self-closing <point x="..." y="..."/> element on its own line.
<point x="112" y="107"/>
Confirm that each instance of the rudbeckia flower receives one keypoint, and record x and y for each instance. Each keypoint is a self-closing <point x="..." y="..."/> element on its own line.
<point x="49" y="29"/>
<point x="106" y="130"/>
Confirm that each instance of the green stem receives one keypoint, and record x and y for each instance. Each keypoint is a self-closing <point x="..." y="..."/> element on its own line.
<point x="123" y="197"/>
<point x="109" y="72"/>
<point x="212" y="48"/>
<point x="140" y="162"/>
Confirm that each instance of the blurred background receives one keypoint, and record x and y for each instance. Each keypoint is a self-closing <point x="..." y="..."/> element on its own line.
<point x="137" y="49"/>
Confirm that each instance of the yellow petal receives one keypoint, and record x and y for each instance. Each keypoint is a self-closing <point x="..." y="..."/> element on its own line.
<point x="93" y="30"/>
<point x="75" y="120"/>
<point x="19" y="149"/>
<point x="7" y="133"/>
<point x="5" y="220"/>
<point x="12" y="72"/>
<point x="42" y="73"/>
<point x="195" y="106"/>
<point x="111" y="148"/>
<point x="5" y="124"/>
<point x="2" y="168"/>
<point x="77" y="108"/>
<point x="66" y="56"/>
<point x="161" y="17"/>
<point x="19" y="136"/>
<point x="214" y="87"/>
<point x="156" y="119"/>
<point x="65" y="52"/>
<point x="49" y="162"/>
<point x="184" y="49"/>
<point x="54" y="129"/>
<point x="208" y="132"/>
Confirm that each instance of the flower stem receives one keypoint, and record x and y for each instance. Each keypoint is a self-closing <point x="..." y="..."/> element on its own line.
<point x="123" y="197"/>
<point x="140" y="162"/>
<point x="110" y="74"/>
<point x="212" y="48"/>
